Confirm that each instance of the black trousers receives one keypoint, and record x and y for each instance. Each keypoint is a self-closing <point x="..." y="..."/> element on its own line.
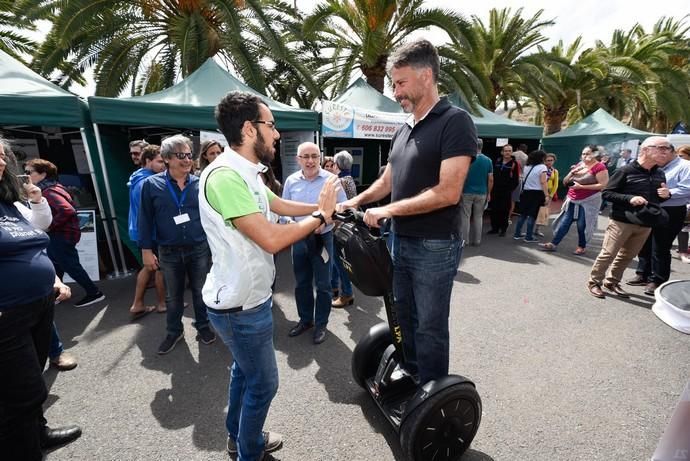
<point x="654" y="259"/>
<point x="500" y="209"/>
<point x="24" y="341"/>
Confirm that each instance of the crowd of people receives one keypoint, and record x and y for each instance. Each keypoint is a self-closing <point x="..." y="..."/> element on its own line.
<point x="198" y="218"/>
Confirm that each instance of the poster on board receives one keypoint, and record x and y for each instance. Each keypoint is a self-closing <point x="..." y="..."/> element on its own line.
<point x="289" y="141"/>
<point x="344" y="121"/>
<point x="87" y="248"/>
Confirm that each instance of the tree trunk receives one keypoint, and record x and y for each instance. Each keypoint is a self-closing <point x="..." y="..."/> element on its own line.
<point x="376" y="74"/>
<point x="553" y="119"/>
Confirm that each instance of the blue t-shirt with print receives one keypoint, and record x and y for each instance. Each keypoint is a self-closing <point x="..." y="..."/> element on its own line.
<point x="27" y="272"/>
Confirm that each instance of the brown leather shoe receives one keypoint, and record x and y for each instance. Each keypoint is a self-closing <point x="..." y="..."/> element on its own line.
<point x="343" y="301"/>
<point x="64" y="362"/>
<point x="615" y="288"/>
<point x="637" y="281"/>
<point x="595" y="290"/>
<point x="649" y="288"/>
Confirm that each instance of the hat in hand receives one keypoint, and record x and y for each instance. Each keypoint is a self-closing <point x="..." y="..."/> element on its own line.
<point x="648" y="215"/>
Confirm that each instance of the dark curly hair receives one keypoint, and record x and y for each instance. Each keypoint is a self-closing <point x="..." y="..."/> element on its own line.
<point x="233" y="110"/>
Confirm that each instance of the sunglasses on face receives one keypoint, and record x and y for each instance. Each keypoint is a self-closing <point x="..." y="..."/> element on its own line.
<point x="135" y="154"/>
<point x="184" y="155"/>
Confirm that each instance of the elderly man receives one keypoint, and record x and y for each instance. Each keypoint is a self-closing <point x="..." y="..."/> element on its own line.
<point x="625" y="158"/>
<point x="236" y="210"/>
<point x="311" y="257"/>
<point x="654" y="260"/>
<point x="480" y="181"/>
<point x="429" y="159"/>
<point x="635" y="191"/>
<point x="136" y="148"/>
<point x="169" y="209"/>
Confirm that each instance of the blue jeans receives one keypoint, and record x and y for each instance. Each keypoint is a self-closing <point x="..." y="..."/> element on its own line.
<point x="56" y="347"/>
<point x="66" y="259"/>
<point x="529" y="232"/>
<point x="340" y="279"/>
<point x="310" y="269"/>
<point x="424" y="270"/>
<point x="253" y="375"/>
<point x="178" y="263"/>
<point x="567" y="220"/>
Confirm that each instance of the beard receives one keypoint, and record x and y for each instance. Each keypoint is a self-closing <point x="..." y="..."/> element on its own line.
<point x="264" y="152"/>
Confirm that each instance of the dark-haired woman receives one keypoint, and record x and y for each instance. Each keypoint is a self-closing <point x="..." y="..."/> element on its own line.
<point x="27" y="297"/>
<point x="535" y="194"/>
<point x="208" y="151"/>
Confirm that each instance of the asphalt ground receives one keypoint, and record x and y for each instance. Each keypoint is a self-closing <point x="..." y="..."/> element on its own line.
<point x="562" y="375"/>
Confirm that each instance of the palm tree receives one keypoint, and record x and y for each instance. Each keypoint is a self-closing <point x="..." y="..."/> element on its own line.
<point x="12" y="41"/>
<point x="147" y="44"/>
<point x="495" y="57"/>
<point x="361" y="34"/>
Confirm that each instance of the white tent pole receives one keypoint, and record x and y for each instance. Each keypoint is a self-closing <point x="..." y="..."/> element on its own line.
<point x="109" y="195"/>
<point x="104" y="217"/>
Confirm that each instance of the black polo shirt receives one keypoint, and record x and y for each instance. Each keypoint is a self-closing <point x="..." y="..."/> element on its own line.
<point x="415" y="157"/>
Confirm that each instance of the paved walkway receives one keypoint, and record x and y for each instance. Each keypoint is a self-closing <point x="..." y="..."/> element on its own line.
<point x="562" y="376"/>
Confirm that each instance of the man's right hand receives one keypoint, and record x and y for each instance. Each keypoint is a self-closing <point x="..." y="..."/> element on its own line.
<point x="352" y="203"/>
<point x="150" y="260"/>
<point x="638" y="201"/>
<point x="328" y="197"/>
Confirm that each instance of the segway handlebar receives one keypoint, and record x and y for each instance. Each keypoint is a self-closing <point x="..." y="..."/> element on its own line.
<point x="352" y="214"/>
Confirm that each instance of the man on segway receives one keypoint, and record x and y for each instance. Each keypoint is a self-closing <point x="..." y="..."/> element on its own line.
<point x="429" y="159"/>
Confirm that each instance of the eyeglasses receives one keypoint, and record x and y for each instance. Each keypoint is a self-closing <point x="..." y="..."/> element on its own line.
<point x="663" y="147"/>
<point x="184" y="155"/>
<point x="312" y="156"/>
<point x="269" y="123"/>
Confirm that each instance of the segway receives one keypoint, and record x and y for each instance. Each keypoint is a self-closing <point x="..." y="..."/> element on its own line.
<point x="436" y="420"/>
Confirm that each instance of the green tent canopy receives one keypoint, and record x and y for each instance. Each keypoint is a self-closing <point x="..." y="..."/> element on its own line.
<point x="190" y="104"/>
<point x="362" y="95"/>
<point x="599" y="128"/>
<point x="26" y="98"/>
<point x="492" y="125"/>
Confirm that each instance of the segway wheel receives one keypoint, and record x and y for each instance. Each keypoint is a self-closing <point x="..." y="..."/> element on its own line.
<point x="368" y="352"/>
<point x="442" y="428"/>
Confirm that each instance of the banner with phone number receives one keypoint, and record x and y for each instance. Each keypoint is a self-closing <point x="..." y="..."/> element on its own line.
<point x="344" y="121"/>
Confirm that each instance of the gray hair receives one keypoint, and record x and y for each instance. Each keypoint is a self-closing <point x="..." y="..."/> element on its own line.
<point x="343" y="159"/>
<point x="138" y="143"/>
<point x="418" y="55"/>
<point x="480" y="144"/>
<point x="169" y="145"/>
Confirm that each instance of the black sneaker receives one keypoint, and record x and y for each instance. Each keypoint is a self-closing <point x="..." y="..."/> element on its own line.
<point x="269" y="457"/>
<point x="90" y="299"/>
<point x="169" y="343"/>
<point x="206" y="336"/>
<point x="272" y="442"/>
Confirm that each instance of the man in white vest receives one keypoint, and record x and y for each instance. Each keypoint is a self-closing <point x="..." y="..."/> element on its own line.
<point x="235" y="208"/>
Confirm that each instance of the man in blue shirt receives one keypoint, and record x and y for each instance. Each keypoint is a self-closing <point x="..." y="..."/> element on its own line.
<point x="475" y="194"/>
<point x="654" y="259"/>
<point x="170" y="210"/>
<point x="311" y="257"/>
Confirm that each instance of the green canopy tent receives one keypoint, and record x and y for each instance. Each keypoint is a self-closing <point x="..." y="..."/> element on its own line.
<point x="27" y="99"/>
<point x="492" y="125"/>
<point x="189" y="104"/>
<point x="363" y="114"/>
<point x="599" y="128"/>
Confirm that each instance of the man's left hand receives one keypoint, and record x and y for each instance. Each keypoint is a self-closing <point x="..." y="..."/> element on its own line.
<point x="663" y="191"/>
<point x="62" y="291"/>
<point x="373" y="215"/>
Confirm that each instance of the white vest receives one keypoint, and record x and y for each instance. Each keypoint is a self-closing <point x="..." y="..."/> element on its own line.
<point x="242" y="272"/>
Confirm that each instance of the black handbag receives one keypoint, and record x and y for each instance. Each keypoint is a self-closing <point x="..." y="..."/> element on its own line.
<point x="365" y="258"/>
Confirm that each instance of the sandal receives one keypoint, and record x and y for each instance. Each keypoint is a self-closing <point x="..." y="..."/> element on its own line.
<point x="139" y="314"/>
<point x="579" y="251"/>
<point x="547" y="246"/>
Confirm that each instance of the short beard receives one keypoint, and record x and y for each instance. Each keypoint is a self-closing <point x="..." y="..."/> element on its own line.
<point x="262" y="150"/>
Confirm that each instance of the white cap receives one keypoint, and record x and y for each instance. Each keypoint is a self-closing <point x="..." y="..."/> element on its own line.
<point x="672" y="304"/>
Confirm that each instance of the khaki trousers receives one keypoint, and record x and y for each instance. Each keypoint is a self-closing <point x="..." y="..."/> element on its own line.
<point x="622" y="242"/>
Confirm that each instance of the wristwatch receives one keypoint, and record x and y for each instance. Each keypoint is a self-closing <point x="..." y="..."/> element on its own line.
<point x="317" y="214"/>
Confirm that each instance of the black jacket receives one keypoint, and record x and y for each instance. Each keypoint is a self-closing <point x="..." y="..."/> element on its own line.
<point x="629" y="181"/>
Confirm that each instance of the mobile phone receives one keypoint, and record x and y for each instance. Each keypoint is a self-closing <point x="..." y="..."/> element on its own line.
<point x="24" y="178"/>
